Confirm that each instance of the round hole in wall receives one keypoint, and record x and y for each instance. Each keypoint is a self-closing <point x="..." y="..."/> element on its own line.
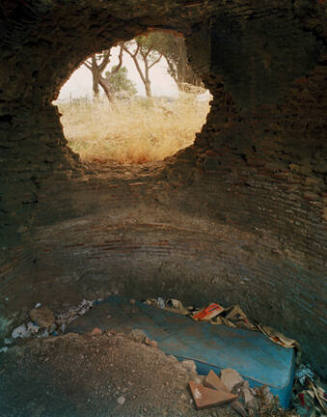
<point x="137" y="102"/>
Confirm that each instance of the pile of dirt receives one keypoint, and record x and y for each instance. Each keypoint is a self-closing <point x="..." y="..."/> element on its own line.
<point x="98" y="376"/>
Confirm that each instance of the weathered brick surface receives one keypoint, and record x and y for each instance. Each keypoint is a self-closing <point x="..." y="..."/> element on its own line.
<point x="240" y="217"/>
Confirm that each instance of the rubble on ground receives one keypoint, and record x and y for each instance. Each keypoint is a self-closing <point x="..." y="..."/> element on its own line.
<point x="45" y="323"/>
<point x="309" y="394"/>
<point x="102" y="375"/>
<point x="207" y="397"/>
<point x="214" y="313"/>
<point x="231" y="388"/>
<point x="42" y="317"/>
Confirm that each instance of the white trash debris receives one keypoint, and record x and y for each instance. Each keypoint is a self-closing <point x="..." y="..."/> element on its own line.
<point x="20" y="331"/>
<point x="302" y="373"/>
<point x="24" y="330"/>
<point x="32" y="328"/>
<point x="45" y="333"/>
<point x="161" y="302"/>
<point x="72" y="314"/>
<point x="48" y="323"/>
<point x="249" y="396"/>
<point x="121" y="400"/>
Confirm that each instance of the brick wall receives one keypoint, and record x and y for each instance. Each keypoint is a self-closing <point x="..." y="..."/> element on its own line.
<point x="240" y="217"/>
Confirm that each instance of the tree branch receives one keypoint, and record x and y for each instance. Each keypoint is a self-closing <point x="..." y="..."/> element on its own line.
<point x="106" y="88"/>
<point x="88" y="65"/>
<point x="137" y="49"/>
<point x="120" y="63"/>
<point x="139" y="70"/>
<point x="147" y="54"/>
<point x="128" y="51"/>
<point x="134" y="57"/>
<point x="172" y="69"/>
<point x="105" y="61"/>
<point x="155" y="62"/>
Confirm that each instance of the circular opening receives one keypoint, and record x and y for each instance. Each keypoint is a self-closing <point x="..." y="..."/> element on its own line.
<point x="137" y="102"/>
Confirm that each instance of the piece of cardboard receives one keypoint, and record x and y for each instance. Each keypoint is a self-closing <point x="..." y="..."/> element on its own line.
<point x="213" y="381"/>
<point x="207" y="397"/>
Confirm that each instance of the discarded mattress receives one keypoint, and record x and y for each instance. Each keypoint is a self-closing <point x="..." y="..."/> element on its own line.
<point x="253" y="355"/>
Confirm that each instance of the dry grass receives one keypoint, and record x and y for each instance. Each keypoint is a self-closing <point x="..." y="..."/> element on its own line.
<point x="135" y="131"/>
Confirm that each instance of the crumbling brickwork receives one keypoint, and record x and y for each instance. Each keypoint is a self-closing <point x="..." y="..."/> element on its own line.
<point x="239" y="217"/>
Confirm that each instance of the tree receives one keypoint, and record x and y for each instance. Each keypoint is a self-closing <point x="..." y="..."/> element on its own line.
<point x="97" y="64"/>
<point x="173" y="49"/>
<point x="119" y="82"/>
<point x="144" y="48"/>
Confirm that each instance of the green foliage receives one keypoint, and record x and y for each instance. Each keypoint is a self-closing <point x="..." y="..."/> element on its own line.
<point x="173" y="48"/>
<point x="119" y="82"/>
<point x="149" y="45"/>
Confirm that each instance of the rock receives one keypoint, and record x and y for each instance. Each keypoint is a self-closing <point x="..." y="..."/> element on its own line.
<point x="251" y="402"/>
<point x="153" y="343"/>
<point x="267" y="396"/>
<point x="96" y="332"/>
<point x="239" y="408"/>
<point x="150" y="342"/>
<point x="230" y="378"/>
<point x="147" y="341"/>
<point x="190" y="366"/>
<point x="138" y="335"/>
<point x="42" y="316"/>
<point x="121" y="400"/>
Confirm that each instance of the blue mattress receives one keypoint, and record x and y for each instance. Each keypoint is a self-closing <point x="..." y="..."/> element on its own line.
<point x="252" y="354"/>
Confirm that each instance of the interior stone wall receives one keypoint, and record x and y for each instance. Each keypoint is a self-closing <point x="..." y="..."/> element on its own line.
<point x="239" y="217"/>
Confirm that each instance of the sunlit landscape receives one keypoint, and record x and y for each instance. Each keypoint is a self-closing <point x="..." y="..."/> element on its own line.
<point x="138" y="102"/>
<point x="133" y="131"/>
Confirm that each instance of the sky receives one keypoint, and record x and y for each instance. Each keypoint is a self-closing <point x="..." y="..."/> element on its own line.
<point x="80" y="82"/>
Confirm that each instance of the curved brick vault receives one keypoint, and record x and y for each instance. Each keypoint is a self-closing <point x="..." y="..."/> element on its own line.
<point x="240" y="217"/>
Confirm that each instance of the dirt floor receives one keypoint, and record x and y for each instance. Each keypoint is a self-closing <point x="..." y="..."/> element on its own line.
<point x="96" y="376"/>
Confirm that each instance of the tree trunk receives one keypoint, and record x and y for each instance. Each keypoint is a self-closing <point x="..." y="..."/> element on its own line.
<point x="147" y="82"/>
<point x="148" y="91"/>
<point x="95" y="85"/>
<point x="106" y="88"/>
<point x="95" y="78"/>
